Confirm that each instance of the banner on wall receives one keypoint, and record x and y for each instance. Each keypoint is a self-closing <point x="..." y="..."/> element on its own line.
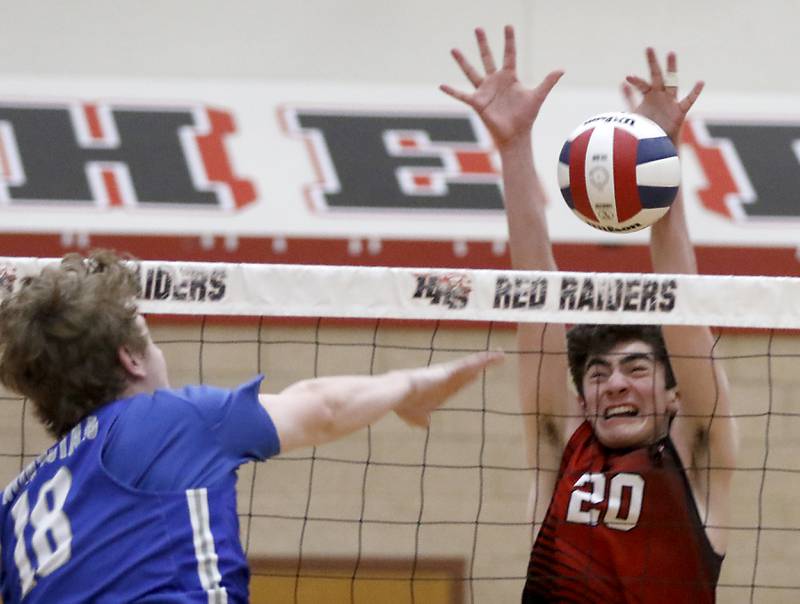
<point x="334" y="174"/>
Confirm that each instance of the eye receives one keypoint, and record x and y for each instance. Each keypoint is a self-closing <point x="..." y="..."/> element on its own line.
<point x="597" y="374"/>
<point x="640" y="369"/>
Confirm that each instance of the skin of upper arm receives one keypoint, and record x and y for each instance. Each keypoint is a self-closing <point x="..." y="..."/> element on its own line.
<point x="298" y="415"/>
<point x="704" y="431"/>
<point x="550" y="412"/>
<point x="705" y="408"/>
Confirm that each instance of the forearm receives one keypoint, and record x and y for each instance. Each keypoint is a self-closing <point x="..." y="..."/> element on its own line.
<point x="319" y="410"/>
<point x="702" y="381"/>
<point x="671" y="250"/>
<point x="337" y="406"/>
<point x="525" y="202"/>
<point x="531" y="249"/>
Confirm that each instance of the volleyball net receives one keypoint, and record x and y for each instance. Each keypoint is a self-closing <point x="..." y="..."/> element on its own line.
<point x="393" y="514"/>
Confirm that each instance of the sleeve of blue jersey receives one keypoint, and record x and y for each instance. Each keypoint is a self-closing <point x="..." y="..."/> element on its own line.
<point x="243" y="427"/>
<point x="189" y="437"/>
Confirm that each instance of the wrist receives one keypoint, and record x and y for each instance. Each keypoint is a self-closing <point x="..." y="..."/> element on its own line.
<point x="675" y="136"/>
<point x="517" y="147"/>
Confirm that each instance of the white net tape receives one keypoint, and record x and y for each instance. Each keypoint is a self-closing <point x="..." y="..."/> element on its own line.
<point x="456" y="294"/>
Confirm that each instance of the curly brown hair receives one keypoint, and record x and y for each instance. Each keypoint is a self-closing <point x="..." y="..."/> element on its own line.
<point x="583" y="341"/>
<point x="60" y="334"/>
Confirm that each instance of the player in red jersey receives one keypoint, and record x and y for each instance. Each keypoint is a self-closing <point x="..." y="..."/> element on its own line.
<point x="638" y="508"/>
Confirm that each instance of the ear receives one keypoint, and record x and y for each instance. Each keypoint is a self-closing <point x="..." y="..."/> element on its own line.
<point x="131" y="362"/>
<point x="673" y="400"/>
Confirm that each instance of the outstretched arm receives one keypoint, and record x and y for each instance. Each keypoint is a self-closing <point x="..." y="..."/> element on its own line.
<point x="320" y="410"/>
<point x="704" y="431"/>
<point x="508" y="109"/>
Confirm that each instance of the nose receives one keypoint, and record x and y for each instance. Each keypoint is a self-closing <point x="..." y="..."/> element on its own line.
<point x="617" y="382"/>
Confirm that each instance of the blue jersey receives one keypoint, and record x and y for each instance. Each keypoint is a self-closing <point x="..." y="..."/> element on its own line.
<point x="137" y="503"/>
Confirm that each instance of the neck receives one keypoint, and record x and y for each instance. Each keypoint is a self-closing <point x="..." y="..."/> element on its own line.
<point x="134" y="388"/>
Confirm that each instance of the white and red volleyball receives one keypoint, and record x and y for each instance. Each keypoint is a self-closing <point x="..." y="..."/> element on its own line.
<point x="619" y="172"/>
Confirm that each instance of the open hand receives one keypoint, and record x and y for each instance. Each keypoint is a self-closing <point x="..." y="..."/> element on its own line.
<point x="660" y="95"/>
<point x="507" y="108"/>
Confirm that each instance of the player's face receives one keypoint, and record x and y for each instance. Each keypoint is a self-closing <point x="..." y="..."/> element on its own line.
<point x="625" y="397"/>
<point x="153" y="360"/>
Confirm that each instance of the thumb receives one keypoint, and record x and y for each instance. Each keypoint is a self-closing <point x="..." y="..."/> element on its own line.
<point x="549" y="81"/>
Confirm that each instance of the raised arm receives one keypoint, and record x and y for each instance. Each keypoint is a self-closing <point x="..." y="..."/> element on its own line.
<point x="508" y="110"/>
<point x="704" y="431"/>
<point x="320" y="410"/>
<point x="670" y="246"/>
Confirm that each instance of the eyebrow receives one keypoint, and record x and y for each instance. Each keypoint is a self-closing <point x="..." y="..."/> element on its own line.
<point x="628" y="358"/>
<point x="596" y="361"/>
<point x="637" y="356"/>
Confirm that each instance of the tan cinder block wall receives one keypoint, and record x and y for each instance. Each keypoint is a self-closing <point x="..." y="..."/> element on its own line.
<point x="421" y="493"/>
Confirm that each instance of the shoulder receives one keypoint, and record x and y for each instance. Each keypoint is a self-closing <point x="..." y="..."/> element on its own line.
<point x="580" y="435"/>
<point x="192" y="435"/>
<point x="191" y="408"/>
<point x="210" y="403"/>
<point x="581" y="438"/>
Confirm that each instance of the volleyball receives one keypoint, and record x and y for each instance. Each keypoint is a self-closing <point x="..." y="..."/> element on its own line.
<point x="619" y="172"/>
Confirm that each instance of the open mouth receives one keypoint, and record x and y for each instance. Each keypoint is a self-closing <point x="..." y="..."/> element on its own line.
<point x="621" y="411"/>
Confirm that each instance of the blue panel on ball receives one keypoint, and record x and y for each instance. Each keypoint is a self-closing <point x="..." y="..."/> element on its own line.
<point x="564" y="157"/>
<point x="651" y="149"/>
<point x="567" y="195"/>
<point x="657" y="197"/>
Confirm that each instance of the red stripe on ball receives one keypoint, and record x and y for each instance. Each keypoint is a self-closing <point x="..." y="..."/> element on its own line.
<point x="577" y="175"/>
<point x="626" y="189"/>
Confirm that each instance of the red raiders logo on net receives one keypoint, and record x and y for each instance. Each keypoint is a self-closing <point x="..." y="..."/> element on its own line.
<point x="110" y="155"/>
<point x="8" y="278"/>
<point x="378" y="161"/>
<point x="751" y="168"/>
<point x="449" y="289"/>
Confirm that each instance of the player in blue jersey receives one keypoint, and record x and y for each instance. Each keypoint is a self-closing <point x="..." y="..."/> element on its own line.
<point x="136" y="500"/>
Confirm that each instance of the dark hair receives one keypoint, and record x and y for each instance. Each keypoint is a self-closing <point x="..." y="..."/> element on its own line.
<point x="585" y="341"/>
<point x="60" y="334"/>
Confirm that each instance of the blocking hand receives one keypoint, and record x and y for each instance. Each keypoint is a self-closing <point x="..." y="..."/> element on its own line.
<point x="507" y="108"/>
<point x="660" y="95"/>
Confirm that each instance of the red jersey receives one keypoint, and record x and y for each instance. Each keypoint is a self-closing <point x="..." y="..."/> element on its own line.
<point x="622" y="527"/>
